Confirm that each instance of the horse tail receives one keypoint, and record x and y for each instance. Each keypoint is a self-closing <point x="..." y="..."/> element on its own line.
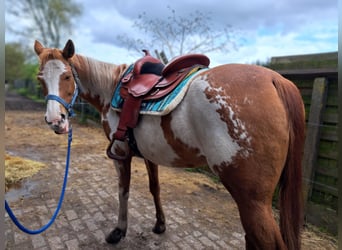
<point x="290" y="184"/>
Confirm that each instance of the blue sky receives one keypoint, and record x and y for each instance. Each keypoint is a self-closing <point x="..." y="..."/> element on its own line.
<point x="266" y="27"/>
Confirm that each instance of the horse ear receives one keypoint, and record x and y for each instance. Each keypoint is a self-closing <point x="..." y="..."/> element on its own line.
<point x="38" y="47"/>
<point x="69" y="49"/>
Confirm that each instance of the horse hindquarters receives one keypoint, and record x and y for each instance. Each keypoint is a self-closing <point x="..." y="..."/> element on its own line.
<point x="253" y="157"/>
<point x="252" y="181"/>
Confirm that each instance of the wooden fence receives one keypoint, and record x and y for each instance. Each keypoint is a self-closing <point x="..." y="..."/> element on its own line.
<point x="320" y="170"/>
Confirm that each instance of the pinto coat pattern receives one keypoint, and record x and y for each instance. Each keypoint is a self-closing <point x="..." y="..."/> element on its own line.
<point x="245" y="122"/>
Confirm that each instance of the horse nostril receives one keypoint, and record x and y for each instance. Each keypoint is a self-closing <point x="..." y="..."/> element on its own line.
<point x="49" y="123"/>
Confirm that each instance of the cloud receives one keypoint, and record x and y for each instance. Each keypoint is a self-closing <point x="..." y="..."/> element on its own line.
<point x="266" y="27"/>
<point x="261" y="45"/>
<point x="112" y="18"/>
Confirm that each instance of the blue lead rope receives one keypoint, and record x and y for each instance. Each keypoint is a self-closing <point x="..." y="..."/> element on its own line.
<point x="42" y="229"/>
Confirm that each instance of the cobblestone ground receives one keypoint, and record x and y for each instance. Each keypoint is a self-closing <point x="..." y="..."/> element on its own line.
<point x="200" y="214"/>
<point x="89" y="213"/>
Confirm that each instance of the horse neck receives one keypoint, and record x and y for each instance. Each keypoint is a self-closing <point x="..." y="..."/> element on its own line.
<point x="98" y="80"/>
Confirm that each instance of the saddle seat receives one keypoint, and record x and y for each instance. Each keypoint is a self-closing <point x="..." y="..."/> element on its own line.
<point x="150" y="79"/>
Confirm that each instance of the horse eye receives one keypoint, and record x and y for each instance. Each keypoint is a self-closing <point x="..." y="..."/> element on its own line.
<point x="67" y="78"/>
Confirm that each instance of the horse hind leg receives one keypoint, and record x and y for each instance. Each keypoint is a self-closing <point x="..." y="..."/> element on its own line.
<point x="123" y="169"/>
<point x="262" y="231"/>
<point x="254" y="200"/>
<point x="152" y="170"/>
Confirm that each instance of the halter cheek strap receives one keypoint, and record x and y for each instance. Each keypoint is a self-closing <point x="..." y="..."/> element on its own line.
<point x="68" y="106"/>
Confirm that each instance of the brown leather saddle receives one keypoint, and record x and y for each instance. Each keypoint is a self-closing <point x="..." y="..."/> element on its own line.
<point x="149" y="80"/>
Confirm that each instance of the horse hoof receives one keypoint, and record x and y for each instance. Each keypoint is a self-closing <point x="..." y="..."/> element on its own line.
<point x="159" y="228"/>
<point x="115" y="236"/>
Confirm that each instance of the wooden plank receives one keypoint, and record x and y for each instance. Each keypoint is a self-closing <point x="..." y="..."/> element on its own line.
<point x="330" y="118"/>
<point x="306" y="73"/>
<point x="327" y="190"/>
<point x="330" y="172"/>
<point x="329" y="135"/>
<point x="330" y="156"/>
<point x="318" y="100"/>
<point x="306" y="92"/>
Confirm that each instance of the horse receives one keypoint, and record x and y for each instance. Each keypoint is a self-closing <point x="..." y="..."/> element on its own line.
<point x="245" y="122"/>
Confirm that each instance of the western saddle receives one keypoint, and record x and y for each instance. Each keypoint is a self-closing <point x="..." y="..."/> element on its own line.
<point x="150" y="80"/>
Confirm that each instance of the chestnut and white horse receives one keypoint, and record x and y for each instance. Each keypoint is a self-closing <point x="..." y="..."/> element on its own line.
<point x="245" y="122"/>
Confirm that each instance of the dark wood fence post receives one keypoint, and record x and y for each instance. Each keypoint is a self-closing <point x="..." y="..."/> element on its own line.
<point x="318" y="101"/>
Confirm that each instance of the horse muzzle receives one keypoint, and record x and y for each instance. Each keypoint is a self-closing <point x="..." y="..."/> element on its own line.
<point x="59" y="125"/>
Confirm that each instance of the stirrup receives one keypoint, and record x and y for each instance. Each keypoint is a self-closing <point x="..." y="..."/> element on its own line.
<point x="113" y="156"/>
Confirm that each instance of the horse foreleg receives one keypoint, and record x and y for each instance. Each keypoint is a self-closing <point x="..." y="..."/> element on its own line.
<point x="123" y="169"/>
<point x="152" y="170"/>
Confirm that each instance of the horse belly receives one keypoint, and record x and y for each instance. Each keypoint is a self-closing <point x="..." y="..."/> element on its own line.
<point x="154" y="142"/>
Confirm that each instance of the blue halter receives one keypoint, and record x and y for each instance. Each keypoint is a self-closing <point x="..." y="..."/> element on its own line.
<point x="68" y="106"/>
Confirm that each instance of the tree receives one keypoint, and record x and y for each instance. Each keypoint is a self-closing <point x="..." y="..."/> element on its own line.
<point x="177" y="35"/>
<point x="44" y="19"/>
<point x="14" y="61"/>
<point x="21" y="71"/>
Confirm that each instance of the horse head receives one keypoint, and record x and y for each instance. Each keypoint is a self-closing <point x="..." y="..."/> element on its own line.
<point x="58" y="82"/>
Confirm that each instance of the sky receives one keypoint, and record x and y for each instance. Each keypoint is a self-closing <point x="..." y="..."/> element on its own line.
<point x="264" y="28"/>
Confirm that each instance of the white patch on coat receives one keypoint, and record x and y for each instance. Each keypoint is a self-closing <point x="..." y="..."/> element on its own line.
<point x="198" y="125"/>
<point x="149" y="137"/>
<point x="151" y="141"/>
<point x="113" y="120"/>
<point x="239" y="126"/>
<point x="53" y="69"/>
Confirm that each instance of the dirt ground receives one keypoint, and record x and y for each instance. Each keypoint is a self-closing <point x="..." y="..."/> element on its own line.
<point x="28" y="136"/>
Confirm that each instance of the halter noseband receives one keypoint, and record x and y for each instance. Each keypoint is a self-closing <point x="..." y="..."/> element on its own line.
<point x="68" y="106"/>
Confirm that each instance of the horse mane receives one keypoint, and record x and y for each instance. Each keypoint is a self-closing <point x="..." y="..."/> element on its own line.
<point x="98" y="79"/>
